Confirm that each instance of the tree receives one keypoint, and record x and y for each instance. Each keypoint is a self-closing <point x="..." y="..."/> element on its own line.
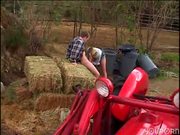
<point x="159" y="16"/>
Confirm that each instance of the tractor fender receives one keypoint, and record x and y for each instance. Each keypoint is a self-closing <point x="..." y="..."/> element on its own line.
<point x="151" y="123"/>
<point x="136" y="83"/>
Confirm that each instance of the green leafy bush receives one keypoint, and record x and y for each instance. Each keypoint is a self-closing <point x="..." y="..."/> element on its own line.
<point x="10" y="93"/>
<point x="15" y="37"/>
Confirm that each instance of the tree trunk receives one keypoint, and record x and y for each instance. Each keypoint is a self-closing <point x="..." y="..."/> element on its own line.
<point x="116" y="29"/>
<point x="75" y="25"/>
<point x="80" y="20"/>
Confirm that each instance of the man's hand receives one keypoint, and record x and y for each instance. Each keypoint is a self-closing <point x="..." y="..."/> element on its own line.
<point x="74" y="63"/>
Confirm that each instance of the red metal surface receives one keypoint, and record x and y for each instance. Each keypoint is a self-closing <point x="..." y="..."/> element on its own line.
<point x="93" y="105"/>
<point x="170" y="120"/>
<point x="97" y="122"/>
<point x="66" y="128"/>
<point x="145" y="104"/>
<point x="154" y="117"/>
<point x="151" y="123"/>
<point x="137" y="82"/>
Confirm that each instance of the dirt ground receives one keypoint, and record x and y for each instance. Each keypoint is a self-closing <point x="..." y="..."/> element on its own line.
<point x="44" y="123"/>
<point x="105" y="36"/>
<point x="163" y="88"/>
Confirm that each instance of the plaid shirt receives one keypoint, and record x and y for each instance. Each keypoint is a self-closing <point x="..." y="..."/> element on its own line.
<point x="75" y="49"/>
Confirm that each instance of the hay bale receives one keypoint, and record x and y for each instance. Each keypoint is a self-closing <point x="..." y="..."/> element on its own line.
<point x="22" y="93"/>
<point x="43" y="74"/>
<point x="74" y="74"/>
<point x="47" y="101"/>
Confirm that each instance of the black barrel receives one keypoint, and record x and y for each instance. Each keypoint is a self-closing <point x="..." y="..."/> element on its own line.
<point x="110" y="59"/>
<point x="147" y="64"/>
<point x="128" y="63"/>
<point x="125" y="48"/>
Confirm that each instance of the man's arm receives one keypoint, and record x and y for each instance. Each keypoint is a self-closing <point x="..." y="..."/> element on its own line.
<point x="103" y="65"/>
<point x="89" y="65"/>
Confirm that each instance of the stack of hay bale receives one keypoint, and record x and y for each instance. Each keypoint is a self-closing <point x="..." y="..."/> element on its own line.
<point x="74" y="74"/>
<point x="53" y="78"/>
<point x="43" y="74"/>
<point x="52" y="74"/>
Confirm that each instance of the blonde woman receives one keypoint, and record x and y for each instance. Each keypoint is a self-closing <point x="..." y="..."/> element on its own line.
<point x="97" y="57"/>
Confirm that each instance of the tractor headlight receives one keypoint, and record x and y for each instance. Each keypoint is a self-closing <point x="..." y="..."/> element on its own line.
<point x="104" y="87"/>
<point x="176" y="99"/>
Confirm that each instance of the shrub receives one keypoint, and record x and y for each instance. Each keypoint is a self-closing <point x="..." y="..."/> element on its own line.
<point x="10" y="94"/>
<point x="15" y="37"/>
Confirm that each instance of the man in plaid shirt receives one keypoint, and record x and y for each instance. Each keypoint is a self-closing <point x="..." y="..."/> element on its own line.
<point x="76" y="52"/>
<point x="75" y="49"/>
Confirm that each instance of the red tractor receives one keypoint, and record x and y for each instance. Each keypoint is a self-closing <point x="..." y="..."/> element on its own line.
<point x="130" y="112"/>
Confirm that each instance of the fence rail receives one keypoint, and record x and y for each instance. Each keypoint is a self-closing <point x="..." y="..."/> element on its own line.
<point x="172" y="22"/>
<point x="145" y="21"/>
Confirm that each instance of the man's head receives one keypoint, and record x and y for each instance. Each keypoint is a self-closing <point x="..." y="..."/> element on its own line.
<point x="85" y="35"/>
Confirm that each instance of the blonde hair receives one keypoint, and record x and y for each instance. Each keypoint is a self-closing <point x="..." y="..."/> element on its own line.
<point x="92" y="52"/>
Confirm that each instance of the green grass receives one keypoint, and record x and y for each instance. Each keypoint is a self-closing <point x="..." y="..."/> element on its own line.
<point x="170" y="57"/>
<point x="11" y="94"/>
<point x="162" y="74"/>
<point x="169" y="64"/>
<point x="175" y="70"/>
